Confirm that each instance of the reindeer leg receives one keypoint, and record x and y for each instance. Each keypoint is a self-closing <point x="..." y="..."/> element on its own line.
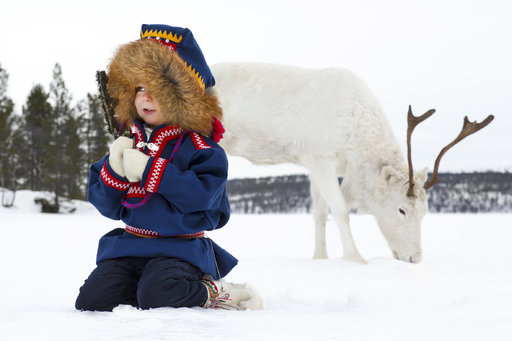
<point x="323" y="174"/>
<point x="320" y="212"/>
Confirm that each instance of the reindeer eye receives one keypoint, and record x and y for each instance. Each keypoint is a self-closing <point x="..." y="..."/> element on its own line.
<point x="402" y="211"/>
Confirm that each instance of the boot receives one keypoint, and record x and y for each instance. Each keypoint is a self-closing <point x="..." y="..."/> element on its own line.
<point x="230" y="296"/>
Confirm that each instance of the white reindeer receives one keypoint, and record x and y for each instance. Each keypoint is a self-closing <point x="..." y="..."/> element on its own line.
<point x="329" y="122"/>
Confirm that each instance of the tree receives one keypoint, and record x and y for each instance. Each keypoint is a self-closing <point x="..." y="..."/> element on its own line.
<point x="67" y="149"/>
<point x="36" y="125"/>
<point x="93" y="133"/>
<point x="72" y="156"/>
<point x="61" y="112"/>
<point x="94" y="130"/>
<point x="7" y="133"/>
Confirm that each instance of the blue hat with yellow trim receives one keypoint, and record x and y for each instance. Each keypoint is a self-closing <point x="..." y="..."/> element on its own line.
<point x="182" y="41"/>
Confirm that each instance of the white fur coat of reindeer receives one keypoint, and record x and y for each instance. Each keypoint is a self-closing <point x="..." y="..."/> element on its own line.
<point x="329" y="122"/>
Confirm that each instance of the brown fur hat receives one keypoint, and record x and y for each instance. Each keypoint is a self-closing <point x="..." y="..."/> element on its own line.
<point x="169" y="82"/>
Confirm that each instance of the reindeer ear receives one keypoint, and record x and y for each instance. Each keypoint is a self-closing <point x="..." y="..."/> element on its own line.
<point x="388" y="173"/>
<point x="422" y="175"/>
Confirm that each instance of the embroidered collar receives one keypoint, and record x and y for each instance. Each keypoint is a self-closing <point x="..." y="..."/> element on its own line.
<point x="158" y="138"/>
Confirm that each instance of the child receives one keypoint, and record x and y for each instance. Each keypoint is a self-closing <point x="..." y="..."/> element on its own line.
<point x="167" y="184"/>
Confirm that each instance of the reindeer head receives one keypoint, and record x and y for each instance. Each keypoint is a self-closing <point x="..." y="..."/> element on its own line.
<point x="405" y="203"/>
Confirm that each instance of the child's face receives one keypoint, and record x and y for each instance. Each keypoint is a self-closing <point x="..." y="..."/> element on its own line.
<point x="147" y="108"/>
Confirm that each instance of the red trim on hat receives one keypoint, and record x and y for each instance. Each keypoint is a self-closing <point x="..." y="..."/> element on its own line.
<point x="172" y="46"/>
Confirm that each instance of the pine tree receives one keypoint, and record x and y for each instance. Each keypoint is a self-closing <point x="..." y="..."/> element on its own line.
<point x="93" y="133"/>
<point x="71" y="174"/>
<point x="61" y="112"/>
<point x="36" y="125"/>
<point x="7" y="133"/>
<point x="6" y="121"/>
<point x="67" y="150"/>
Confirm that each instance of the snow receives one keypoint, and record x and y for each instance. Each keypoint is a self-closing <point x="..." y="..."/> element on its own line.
<point x="241" y="168"/>
<point x="461" y="290"/>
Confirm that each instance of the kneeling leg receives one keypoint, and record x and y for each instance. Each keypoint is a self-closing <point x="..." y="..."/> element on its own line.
<point x="170" y="282"/>
<point x="112" y="283"/>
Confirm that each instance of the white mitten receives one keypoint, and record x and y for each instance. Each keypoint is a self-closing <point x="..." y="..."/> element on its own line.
<point x="116" y="154"/>
<point x="134" y="163"/>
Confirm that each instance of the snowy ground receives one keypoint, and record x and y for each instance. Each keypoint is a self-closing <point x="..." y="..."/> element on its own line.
<point x="461" y="291"/>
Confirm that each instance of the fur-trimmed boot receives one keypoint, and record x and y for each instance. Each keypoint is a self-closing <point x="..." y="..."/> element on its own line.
<point x="231" y="296"/>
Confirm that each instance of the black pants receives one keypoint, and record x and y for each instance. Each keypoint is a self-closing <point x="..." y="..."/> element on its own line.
<point x="142" y="282"/>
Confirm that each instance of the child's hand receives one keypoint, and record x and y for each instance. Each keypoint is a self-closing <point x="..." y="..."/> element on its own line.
<point x="134" y="163"/>
<point x="116" y="154"/>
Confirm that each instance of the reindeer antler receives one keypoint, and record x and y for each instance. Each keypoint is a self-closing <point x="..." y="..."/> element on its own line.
<point x="467" y="129"/>
<point x="412" y="122"/>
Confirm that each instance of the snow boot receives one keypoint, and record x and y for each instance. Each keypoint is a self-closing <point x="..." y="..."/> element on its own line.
<point x="230" y="296"/>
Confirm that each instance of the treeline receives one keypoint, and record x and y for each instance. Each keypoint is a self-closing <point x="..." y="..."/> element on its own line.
<point x="49" y="146"/>
<point x="472" y="193"/>
<point x="281" y="194"/>
<point x="476" y="192"/>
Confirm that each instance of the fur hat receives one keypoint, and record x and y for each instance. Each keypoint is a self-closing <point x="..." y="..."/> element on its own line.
<point x="182" y="41"/>
<point x="172" y="67"/>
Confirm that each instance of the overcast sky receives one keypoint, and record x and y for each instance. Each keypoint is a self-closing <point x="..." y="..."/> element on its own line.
<point x="454" y="56"/>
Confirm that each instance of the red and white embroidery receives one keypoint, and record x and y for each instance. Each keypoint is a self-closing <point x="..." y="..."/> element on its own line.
<point x="165" y="42"/>
<point x="199" y="142"/>
<point x="136" y="191"/>
<point x="110" y="181"/>
<point x="138" y="137"/>
<point x="161" y="138"/>
<point x="200" y="234"/>
<point x="155" y="149"/>
<point x="146" y="233"/>
<point x="155" y="174"/>
<point x="140" y="232"/>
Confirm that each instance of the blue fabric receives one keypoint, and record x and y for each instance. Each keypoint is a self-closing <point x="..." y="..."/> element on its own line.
<point x="142" y="282"/>
<point x="191" y="198"/>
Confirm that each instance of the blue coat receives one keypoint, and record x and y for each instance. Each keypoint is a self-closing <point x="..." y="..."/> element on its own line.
<point x="174" y="199"/>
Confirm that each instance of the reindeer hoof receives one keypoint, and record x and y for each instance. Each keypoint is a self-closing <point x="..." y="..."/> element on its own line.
<point x="320" y="255"/>
<point x="357" y="259"/>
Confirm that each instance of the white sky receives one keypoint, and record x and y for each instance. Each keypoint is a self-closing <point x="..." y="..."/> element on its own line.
<point x="454" y="56"/>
